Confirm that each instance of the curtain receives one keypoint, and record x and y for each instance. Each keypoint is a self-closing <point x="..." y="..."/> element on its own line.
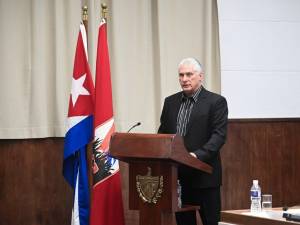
<point x="147" y="40"/>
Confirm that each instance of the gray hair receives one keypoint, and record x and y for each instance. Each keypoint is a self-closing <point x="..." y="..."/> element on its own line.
<point x="192" y="61"/>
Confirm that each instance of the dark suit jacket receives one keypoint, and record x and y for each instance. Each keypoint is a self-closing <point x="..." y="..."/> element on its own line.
<point x="205" y="135"/>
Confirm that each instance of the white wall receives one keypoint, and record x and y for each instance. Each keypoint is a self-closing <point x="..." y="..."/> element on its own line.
<point x="260" y="57"/>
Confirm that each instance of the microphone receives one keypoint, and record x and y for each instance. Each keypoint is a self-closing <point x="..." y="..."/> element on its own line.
<point x="135" y="125"/>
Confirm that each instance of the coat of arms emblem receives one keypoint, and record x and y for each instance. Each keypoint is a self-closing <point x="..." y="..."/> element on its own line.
<point x="149" y="187"/>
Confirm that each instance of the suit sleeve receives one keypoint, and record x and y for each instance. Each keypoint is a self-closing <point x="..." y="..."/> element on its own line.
<point x="162" y="127"/>
<point x="218" y="128"/>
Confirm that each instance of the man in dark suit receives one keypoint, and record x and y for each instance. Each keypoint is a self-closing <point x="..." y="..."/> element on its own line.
<point x="200" y="116"/>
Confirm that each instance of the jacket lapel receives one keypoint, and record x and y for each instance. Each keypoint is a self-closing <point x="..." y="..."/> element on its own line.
<point x="197" y="108"/>
<point x="177" y="104"/>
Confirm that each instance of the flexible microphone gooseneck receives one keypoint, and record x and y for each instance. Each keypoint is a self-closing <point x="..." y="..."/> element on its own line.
<point x="135" y="125"/>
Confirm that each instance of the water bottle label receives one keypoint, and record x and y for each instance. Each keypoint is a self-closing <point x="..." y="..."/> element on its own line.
<point x="254" y="194"/>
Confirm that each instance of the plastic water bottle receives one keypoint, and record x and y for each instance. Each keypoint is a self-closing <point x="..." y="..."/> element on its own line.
<point x="179" y="194"/>
<point x="255" y="196"/>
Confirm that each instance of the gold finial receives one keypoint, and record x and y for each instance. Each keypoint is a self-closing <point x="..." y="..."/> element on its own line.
<point x="103" y="10"/>
<point x="85" y="13"/>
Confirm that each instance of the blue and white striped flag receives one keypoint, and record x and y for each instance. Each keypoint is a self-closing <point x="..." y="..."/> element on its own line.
<point x="80" y="132"/>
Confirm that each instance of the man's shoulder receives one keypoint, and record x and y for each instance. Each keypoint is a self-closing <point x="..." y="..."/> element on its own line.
<point x="174" y="96"/>
<point x="212" y="95"/>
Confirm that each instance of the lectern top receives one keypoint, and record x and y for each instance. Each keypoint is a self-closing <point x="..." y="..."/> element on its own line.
<point x="136" y="146"/>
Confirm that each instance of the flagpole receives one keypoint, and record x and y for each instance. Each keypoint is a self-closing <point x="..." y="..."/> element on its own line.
<point x="104" y="11"/>
<point x="85" y="18"/>
<point x="89" y="152"/>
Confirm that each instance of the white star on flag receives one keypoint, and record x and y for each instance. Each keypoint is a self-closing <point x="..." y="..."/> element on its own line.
<point x="78" y="89"/>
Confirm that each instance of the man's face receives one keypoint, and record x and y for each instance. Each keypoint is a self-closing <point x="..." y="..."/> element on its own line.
<point x="189" y="79"/>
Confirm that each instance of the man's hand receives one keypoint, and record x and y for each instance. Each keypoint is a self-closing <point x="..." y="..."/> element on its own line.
<point x="193" y="154"/>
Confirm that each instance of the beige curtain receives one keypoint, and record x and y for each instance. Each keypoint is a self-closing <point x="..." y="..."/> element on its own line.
<point x="147" y="39"/>
<point x="37" y="44"/>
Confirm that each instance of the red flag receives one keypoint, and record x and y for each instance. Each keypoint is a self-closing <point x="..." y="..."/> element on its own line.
<point x="107" y="204"/>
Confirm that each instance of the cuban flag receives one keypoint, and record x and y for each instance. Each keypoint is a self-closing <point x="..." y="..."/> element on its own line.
<point x="79" y="132"/>
<point x="107" y="204"/>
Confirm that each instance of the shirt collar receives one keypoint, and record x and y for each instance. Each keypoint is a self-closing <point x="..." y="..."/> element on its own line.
<point x="194" y="97"/>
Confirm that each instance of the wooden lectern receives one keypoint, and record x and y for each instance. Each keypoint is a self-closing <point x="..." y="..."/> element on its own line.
<point x="153" y="160"/>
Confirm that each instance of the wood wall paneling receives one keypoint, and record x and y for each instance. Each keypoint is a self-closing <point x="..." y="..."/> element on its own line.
<point x="267" y="150"/>
<point x="32" y="189"/>
<point x="34" y="192"/>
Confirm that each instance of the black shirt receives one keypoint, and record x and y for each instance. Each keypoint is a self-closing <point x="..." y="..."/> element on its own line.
<point x="185" y="111"/>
